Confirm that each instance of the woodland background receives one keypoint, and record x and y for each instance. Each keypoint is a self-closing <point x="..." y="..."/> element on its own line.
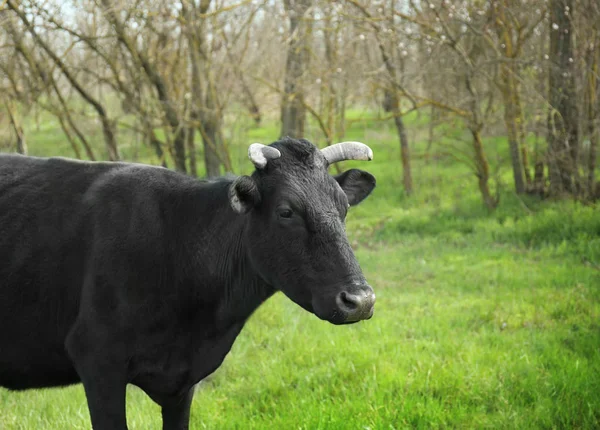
<point x="189" y="78"/>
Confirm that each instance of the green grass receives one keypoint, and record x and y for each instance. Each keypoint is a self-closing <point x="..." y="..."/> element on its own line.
<point x="483" y="320"/>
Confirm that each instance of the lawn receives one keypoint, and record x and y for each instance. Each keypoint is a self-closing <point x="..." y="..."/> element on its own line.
<point x="483" y="320"/>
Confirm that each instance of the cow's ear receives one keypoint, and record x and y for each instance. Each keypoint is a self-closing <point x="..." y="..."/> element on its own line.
<point x="357" y="184"/>
<point x="243" y="194"/>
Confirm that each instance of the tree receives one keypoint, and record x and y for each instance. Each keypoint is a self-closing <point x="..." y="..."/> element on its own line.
<point x="293" y="113"/>
<point x="563" y="134"/>
<point x="513" y="29"/>
<point x="387" y="42"/>
<point x="108" y="126"/>
<point x="21" y="146"/>
<point x="459" y="54"/>
<point x="590" y="60"/>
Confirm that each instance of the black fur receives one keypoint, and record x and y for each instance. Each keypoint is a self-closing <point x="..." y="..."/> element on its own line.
<point x="116" y="273"/>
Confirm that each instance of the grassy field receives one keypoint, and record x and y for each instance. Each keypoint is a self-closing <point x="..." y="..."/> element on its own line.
<point x="482" y="320"/>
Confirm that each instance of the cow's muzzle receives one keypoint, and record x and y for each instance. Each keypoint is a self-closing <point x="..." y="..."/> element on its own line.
<point x="356" y="304"/>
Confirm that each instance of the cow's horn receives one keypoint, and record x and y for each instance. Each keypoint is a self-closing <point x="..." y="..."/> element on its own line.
<point x="347" y="151"/>
<point x="259" y="154"/>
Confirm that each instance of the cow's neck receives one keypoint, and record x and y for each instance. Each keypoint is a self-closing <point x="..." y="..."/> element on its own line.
<point x="235" y="287"/>
<point x="244" y="290"/>
<point x="228" y="290"/>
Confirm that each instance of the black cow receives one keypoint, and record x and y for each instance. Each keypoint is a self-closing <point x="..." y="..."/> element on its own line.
<point x="117" y="273"/>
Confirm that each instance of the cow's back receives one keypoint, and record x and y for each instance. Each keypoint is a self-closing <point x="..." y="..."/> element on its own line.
<point x="43" y="245"/>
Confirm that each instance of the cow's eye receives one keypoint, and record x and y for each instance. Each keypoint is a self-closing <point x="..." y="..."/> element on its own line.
<point x="285" y="213"/>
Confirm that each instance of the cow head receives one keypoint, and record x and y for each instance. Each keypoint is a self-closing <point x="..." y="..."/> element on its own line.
<point x="295" y="225"/>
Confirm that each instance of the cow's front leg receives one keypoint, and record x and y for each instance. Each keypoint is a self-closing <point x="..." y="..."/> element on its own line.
<point x="176" y="411"/>
<point x="103" y="371"/>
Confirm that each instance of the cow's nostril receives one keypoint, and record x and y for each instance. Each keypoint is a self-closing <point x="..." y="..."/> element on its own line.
<point x="356" y="305"/>
<point x="349" y="301"/>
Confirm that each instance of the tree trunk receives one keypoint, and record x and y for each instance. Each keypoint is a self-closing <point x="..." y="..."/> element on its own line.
<point x="249" y="100"/>
<point x="251" y="103"/>
<point x="197" y="95"/>
<point x="191" y="147"/>
<point x="210" y="139"/>
<point x="211" y="118"/>
<point x="179" y="150"/>
<point x="293" y="113"/>
<point x="510" y="121"/>
<point x="108" y="131"/>
<point x="328" y="88"/>
<point x="342" y="109"/>
<point x="211" y="160"/>
<point x="539" y="185"/>
<point x="430" y="132"/>
<point x="520" y="123"/>
<point x="393" y="103"/>
<point x="69" y="137"/>
<point x="593" y="156"/>
<point x="593" y="110"/>
<point x="205" y="108"/>
<point x="509" y="88"/>
<point x="86" y="145"/>
<point x="153" y="141"/>
<point x="21" y="146"/>
<point x="404" y="153"/>
<point x="248" y="97"/>
<point x="563" y="139"/>
<point x="483" y="171"/>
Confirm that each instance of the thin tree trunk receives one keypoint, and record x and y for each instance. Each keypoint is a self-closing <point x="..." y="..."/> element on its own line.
<point x="69" y="137"/>
<point x="394" y="72"/>
<point x="251" y="103"/>
<point x="108" y="131"/>
<point x="393" y="102"/>
<point x="329" y="88"/>
<point x="21" y="145"/>
<point x="509" y="87"/>
<point x="593" y="109"/>
<point x="483" y="171"/>
<point x="248" y="99"/>
<point x="404" y="153"/>
<point x="191" y="146"/>
<point x="520" y="123"/>
<point x="141" y="59"/>
<point x="430" y="133"/>
<point x="205" y="108"/>
<point x="539" y="185"/>
<point x="510" y="121"/>
<point x="342" y="110"/>
<point x="211" y="119"/>
<point x="293" y="113"/>
<point x="86" y="145"/>
<point x="563" y="139"/>
<point x="594" y="143"/>
<point x="210" y="127"/>
<point x="211" y="159"/>
<point x="153" y="141"/>
<point x="179" y="150"/>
